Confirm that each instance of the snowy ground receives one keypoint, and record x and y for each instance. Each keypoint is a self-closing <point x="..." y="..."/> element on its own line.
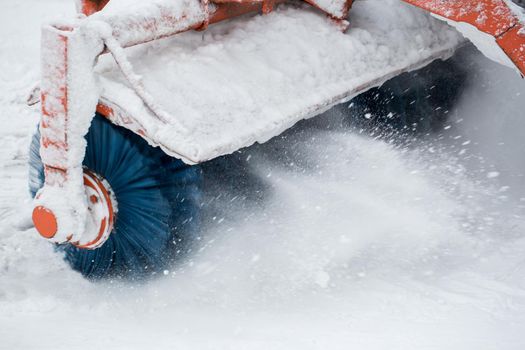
<point x="328" y="239"/>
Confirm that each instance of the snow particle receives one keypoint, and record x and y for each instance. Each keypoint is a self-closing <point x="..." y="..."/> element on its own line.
<point x="322" y="279"/>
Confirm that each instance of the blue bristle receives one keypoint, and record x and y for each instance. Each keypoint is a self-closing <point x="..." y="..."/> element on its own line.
<point x="157" y="196"/>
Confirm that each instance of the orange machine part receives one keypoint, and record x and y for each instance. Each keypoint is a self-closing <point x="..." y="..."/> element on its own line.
<point x="45" y="222"/>
<point x="89" y="7"/>
<point x="513" y="44"/>
<point x="492" y="17"/>
<point x="98" y="185"/>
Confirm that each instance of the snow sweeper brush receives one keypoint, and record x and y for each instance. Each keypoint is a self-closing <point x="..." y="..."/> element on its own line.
<point x="129" y="108"/>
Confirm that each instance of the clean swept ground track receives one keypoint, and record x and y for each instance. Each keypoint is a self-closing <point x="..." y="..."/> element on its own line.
<point x="328" y="239"/>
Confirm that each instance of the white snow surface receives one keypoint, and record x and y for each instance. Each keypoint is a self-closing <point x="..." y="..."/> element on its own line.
<point x="356" y="244"/>
<point x="248" y="80"/>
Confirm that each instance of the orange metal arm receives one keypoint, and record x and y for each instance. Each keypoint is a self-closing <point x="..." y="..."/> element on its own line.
<point x="493" y="17"/>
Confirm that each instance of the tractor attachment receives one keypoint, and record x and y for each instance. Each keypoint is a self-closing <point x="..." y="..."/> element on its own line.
<point x="203" y="94"/>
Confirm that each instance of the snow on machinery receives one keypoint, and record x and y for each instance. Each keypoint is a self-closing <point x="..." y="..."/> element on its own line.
<point x="115" y="204"/>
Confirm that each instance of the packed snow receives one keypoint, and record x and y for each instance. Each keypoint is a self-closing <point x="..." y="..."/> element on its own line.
<point x="324" y="238"/>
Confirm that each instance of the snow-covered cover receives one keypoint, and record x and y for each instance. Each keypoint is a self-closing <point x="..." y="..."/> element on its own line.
<point x="199" y="96"/>
<point x="248" y="80"/>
